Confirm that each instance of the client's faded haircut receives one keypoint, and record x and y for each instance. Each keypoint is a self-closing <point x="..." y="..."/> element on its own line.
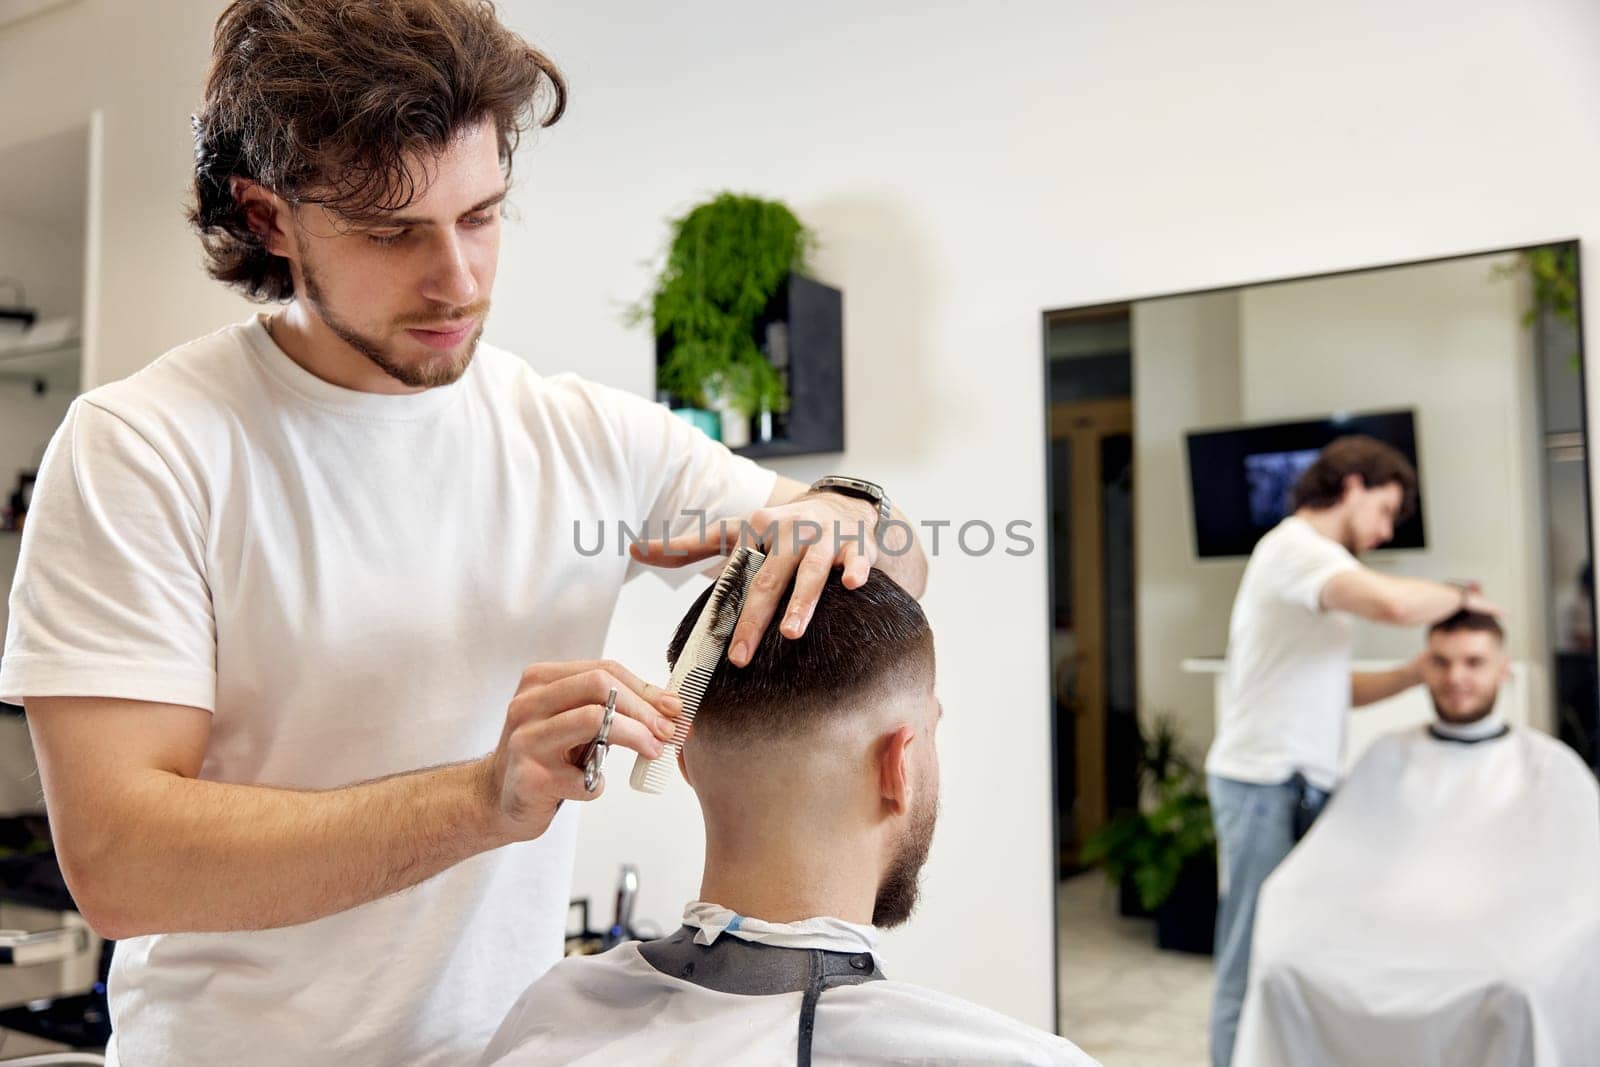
<point x="1469" y="622"/>
<point x="858" y="641"/>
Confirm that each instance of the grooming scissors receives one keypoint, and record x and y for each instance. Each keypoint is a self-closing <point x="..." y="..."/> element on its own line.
<point x="594" y="754"/>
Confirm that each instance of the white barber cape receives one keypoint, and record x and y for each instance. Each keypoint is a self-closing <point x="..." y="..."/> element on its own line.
<point x="1443" y="911"/>
<point x="616" y="1008"/>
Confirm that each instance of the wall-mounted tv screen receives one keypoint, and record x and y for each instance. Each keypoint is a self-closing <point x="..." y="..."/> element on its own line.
<point x="1240" y="477"/>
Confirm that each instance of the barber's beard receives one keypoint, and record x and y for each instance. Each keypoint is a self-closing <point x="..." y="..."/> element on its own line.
<point x="424" y="375"/>
<point x="897" y="892"/>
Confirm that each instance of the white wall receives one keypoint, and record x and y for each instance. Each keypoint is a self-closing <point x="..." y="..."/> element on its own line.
<point x="1185" y="377"/>
<point x="967" y="169"/>
<point x="141" y="66"/>
<point x="47" y="259"/>
<point x="44" y="250"/>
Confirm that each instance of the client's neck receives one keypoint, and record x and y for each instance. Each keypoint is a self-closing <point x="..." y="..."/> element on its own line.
<point x="1487" y="725"/>
<point x="784" y="871"/>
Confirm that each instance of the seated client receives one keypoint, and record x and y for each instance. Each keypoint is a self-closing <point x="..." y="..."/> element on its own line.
<point x="818" y="781"/>
<point x="1443" y="910"/>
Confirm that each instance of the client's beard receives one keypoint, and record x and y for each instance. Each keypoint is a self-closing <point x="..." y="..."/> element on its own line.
<point x="1480" y="713"/>
<point x="422" y="376"/>
<point x="897" y="892"/>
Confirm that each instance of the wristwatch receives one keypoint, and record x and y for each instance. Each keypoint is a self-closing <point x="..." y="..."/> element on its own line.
<point x="859" y="488"/>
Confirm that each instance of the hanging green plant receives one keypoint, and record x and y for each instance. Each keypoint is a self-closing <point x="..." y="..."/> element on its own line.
<point x="728" y="258"/>
<point x="1555" y="280"/>
<point x="1553" y="271"/>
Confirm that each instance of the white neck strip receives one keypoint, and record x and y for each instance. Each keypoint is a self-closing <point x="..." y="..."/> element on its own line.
<point x="1491" y="724"/>
<point x="823" y="932"/>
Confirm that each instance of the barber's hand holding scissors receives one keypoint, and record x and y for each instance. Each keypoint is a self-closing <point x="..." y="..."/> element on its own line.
<point x="558" y="717"/>
<point x="803" y="540"/>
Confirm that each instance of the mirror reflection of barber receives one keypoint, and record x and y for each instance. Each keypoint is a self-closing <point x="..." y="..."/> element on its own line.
<point x="1289" y="681"/>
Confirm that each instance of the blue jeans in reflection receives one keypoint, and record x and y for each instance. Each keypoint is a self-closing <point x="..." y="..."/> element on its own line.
<point x="1255" y="831"/>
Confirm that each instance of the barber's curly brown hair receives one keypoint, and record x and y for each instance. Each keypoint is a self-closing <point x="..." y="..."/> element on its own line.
<point x="1321" y="485"/>
<point x="323" y="102"/>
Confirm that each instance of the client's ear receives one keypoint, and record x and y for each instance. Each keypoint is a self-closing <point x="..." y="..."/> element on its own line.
<point x="894" y="769"/>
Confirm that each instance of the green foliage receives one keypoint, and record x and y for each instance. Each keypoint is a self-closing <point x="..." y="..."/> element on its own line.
<point x="752" y="386"/>
<point x="1553" y="270"/>
<point x="728" y="258"/>
<point x="32" y="848"/>
<point x="1555" y="280"/>
<point x="1153" y="845"/>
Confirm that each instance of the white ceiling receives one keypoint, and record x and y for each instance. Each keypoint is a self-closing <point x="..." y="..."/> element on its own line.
<point x="46" y="181"/>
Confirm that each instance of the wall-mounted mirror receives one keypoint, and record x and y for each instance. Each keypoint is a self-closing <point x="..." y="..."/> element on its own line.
<point x="1177" y="425"/>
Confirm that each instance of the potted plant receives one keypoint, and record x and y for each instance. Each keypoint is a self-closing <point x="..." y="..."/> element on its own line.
<point x="1166" y="850"/>
<point x="752" y="393"/>
<point x="728" y="258"/>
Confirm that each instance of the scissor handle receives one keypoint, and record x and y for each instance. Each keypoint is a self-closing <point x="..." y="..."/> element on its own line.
<point x="594" y="755"/>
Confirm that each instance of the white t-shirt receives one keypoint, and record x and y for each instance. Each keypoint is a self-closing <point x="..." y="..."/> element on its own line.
<point x="352" y="584"/>
<point x="1287" y="689"/>
<point x="616" y="1009"/>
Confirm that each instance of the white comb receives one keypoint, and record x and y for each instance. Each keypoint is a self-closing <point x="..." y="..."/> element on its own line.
<point x="698" y="661"/>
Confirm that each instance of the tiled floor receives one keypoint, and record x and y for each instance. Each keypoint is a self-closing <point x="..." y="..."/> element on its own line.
<point x="1124" y="1001"/>
<point x="21" y="1046"/>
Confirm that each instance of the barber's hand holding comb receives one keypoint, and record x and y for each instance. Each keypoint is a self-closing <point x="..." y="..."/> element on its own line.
<point x="803" y="540"/>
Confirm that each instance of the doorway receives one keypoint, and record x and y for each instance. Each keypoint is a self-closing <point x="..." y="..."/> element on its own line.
<point x="1092" y="567"/>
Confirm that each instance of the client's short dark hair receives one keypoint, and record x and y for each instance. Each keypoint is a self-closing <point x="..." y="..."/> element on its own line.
<point x="1469" y="622"/>
<point x="857" y="640"/>
<point x="1321" y="485"/>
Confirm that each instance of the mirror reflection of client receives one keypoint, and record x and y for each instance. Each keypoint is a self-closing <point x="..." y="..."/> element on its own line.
<point x="818" y="780"/>
<point x="1289" y="684"/>
<point x="1443" y="909"/>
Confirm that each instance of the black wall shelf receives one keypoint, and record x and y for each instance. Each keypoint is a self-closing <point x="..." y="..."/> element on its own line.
<point x="802" y="334"/>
